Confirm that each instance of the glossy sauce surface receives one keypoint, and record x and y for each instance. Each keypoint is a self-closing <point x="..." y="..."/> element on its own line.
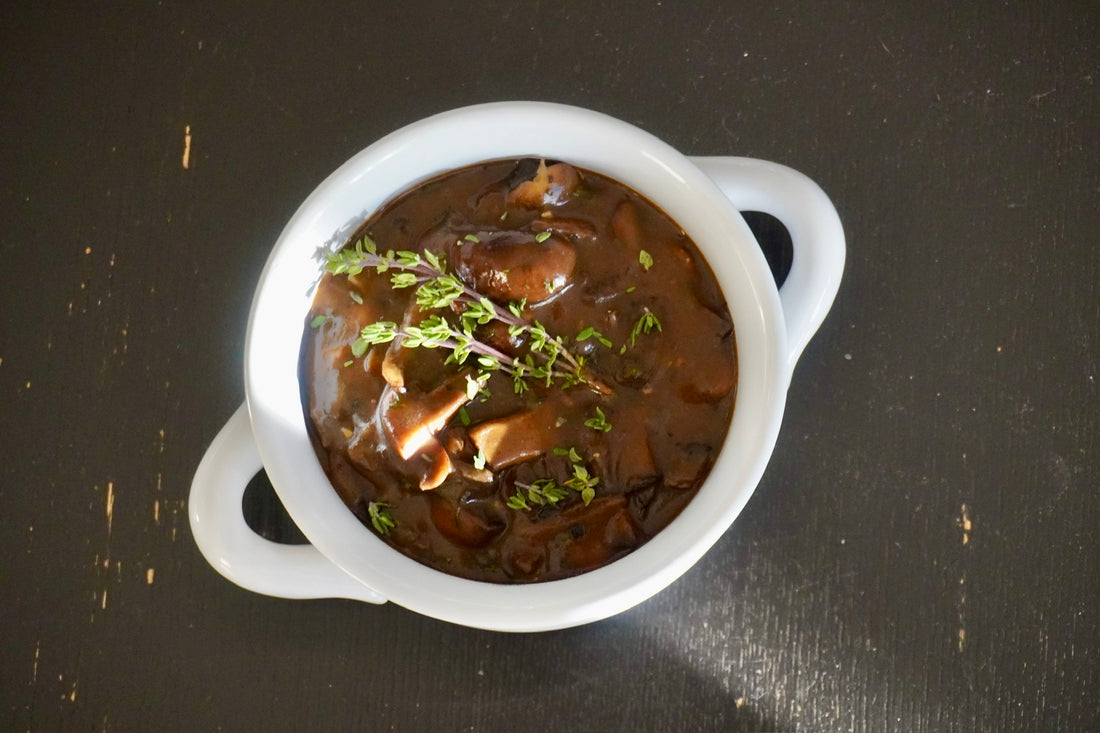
<point x="575" y="252"/>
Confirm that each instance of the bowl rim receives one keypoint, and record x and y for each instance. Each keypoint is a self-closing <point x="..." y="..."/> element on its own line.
<point x="444" y="142"/>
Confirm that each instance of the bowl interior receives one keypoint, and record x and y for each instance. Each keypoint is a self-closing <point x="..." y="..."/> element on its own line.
<point x="452" y="140"/>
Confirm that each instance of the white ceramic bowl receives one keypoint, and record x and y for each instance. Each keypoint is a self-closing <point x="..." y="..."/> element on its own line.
<point x="703" y="195"/>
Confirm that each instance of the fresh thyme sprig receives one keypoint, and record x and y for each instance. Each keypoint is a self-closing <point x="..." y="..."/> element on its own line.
<point x="547" y="491"/>
<point x="437" y="289"/>
<point x="593" y="333"/>
<point x="646" y="324"/>
<point x="539" y="492"/>
<point x="436" y="332"/>
<point x="380" y="517"/>
<point x="583" y="483"/>
<point x="599" y="422"/>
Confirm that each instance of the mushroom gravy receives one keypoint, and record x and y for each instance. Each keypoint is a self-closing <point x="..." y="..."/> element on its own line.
<point x="602" y="438"/>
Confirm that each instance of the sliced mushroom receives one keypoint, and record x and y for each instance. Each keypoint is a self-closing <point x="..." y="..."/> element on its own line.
<point x="412" y="369"/>
<point x="516" y="438"/>
<point x="516" y="265"/>
<point x="412" y="420"/>
<point x="683" y="465"/>
<point x="624" y="223"/>
<point x="630" y="456"/>
<point x="705" y="380"/>
<point x="551" y="185"/>
<point x="591" y="536"/>
<point x="575" y="228"/>
<point x="438" y="464"/>
<point x="463" y="523"/>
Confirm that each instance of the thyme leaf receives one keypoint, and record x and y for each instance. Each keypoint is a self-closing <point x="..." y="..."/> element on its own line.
<point x="599" y="422"/>
<point x="571" y="453"/>
<point x="593" y="333"/>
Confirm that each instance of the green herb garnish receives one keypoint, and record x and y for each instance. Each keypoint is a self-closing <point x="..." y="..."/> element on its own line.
<point x="475" y="385"/>
<point x="593" y="333"/>
<point x="571" y="453"/>
<point x="599" y="422"/>
<point x="356" y="297"/>
<point x="540" y="492"/>
<point x="542" y="236"/>
<point x="645" y="259"/>
<point x="380" y="517"/>
<point x="546" y="491"/>
<point x="317" y="321"/>
<point x="547" y="359"/>
<point x="517" y="502"/>
<point x="583" y="483"/>
<point x="645" y="325"/>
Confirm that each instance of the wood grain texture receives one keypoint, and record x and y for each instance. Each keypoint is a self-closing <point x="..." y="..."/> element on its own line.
<point x="922" y="552"/>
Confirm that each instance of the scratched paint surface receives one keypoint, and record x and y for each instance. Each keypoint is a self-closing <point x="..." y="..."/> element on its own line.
<point x="922" y="552"/>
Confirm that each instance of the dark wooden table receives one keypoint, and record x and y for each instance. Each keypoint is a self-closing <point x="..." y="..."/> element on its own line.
<point x="921" y="554"/>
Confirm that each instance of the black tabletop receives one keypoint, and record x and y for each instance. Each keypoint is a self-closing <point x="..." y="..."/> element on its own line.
<point x="921" y="554"/>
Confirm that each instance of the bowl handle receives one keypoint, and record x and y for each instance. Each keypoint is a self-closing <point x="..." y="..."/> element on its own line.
<point x="230" y="545"/>
<point x="816" y="234"/>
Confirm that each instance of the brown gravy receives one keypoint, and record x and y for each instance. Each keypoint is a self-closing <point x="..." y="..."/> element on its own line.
<point x="456" y="483"/>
